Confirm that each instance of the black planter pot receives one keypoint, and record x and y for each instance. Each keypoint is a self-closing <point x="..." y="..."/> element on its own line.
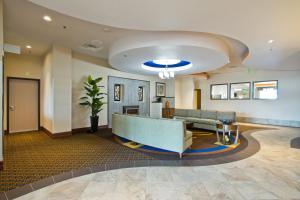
<point x="94" y="123"/>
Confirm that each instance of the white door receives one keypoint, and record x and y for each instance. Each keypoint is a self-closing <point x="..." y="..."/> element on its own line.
<point x="23" y="105"/>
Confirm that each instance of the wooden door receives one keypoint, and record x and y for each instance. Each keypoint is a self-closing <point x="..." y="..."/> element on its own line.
<point x="197" y="99"/>
<point x="23" y="105"/>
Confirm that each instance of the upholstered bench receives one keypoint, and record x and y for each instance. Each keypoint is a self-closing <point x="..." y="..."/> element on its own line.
<point x="168" y="134"/>
<point x="204" y="119"/>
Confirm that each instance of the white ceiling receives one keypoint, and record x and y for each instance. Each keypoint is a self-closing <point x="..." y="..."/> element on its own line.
<point x="24" y="24"/>
<point x="251" y="22"/>
<point x="205" y="51"/>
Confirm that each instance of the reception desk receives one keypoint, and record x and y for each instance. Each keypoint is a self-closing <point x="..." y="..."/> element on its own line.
<point x="167" y="134"/>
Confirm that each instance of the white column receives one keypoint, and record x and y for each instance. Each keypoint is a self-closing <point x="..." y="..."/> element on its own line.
<point x="62" y="76"/>
<point x="57" y="90"/>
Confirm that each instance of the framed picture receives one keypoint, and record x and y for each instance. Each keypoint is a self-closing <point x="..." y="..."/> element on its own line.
<point x="265" y="90"/>
<point x="141" y="93"/>
<point x="240" y="91"/>
<point x="219" y="91"/>
<point x="160" y="89"/>
<point x="117" y="92"/>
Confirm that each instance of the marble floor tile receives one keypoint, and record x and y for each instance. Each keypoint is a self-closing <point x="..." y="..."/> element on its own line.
<point x="271" y="173"/>
<point x="252" y="191"/>
<point x="178" y="191"/>
<point x="159" y="174"/>
<point x="222" y="190"/>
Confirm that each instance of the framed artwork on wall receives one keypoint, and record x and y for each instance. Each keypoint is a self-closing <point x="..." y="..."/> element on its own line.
<point x="141" y="93"/>
<point x="117" y="92"/>
<point x="160" y="89"/>
<point x="240" y="91"/>
<point x="267" y="90"/>
<point x="219" y="91"/>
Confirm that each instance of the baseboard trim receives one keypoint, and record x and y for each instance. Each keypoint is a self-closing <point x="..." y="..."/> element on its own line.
<point x="85" y="129"/>
<point x="66" y="134"/>
<point x="1" y="165"/>
<point x="276" y="122"/>
<point x="56" y="135"/>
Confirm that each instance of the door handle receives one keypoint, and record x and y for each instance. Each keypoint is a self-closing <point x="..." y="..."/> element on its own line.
<point x="11" y="108"/>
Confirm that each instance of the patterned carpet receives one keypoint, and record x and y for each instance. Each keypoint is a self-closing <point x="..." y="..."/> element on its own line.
<point x="31" y="156"/>
<point x="34" y="155"/>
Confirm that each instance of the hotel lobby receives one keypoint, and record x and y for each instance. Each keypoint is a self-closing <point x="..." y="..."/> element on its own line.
<point x="150" y="100"/>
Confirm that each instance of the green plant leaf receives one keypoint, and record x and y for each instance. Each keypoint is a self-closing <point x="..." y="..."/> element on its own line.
<point x="85" y="103"/>
<point x="97" y="80"/>
<point x="94" y="96"/>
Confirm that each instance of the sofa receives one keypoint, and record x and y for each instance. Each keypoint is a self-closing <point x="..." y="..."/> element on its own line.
<point x="204" y="119"/>
<point x="167" y="134"/>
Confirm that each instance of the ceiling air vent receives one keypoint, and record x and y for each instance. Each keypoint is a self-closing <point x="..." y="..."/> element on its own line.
<point x="94" y="45"/>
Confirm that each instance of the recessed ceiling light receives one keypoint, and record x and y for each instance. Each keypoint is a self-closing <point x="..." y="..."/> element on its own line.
<point x="28" y="47"/>
<point x="270" y="41"/>
<point x="47" y="18"/>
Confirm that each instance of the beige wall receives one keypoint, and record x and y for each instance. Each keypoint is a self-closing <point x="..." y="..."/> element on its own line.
<point x="184" y="92"/>
<point x="82" y="67"/>
<point x="61" y="86"/>
<point x="1" y="75"/>
<point x="286" y="107"/>
<point x="25" y="66"/>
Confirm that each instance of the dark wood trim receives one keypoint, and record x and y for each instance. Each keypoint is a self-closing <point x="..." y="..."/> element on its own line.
<point x="69" y="133"/>
<point x="7" y="99"/>
<point x="85" y="129"/>
<point x="250" y="91"/>
<point x="46" y="131"/>
<point x="1" y="165"/>
<point x="56" y="135"/>
<point x="215" y="85"/>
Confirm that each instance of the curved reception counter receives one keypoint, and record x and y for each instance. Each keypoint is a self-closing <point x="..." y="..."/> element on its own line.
<point x="167" y="134"/>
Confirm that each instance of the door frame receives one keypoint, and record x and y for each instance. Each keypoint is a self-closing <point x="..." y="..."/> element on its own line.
<point x="7" y="99"/>
<point x="199" y="91"/>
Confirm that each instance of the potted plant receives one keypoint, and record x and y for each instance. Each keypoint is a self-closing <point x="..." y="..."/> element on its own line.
<point x="93" y="99"/>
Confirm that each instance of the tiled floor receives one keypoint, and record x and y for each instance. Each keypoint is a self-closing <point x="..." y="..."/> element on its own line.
<point x="272" y="173"/>
<point x="33" y="156"/>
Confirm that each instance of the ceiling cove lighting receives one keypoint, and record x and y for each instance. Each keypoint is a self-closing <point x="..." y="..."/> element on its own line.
<point x="47" y="18"/>
<point x="166" y="68"/>
<point x="166" y="61"/>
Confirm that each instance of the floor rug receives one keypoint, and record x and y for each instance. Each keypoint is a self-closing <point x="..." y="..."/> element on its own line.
<point x="204" y="142"/>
